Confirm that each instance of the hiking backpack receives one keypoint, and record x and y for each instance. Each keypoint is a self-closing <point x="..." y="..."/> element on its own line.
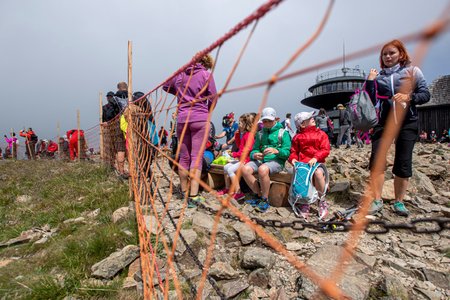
<point x="302" y="191"/>
<point x="33" y="138"/>
<point x="363" y="114"/>
<point x="280" y="136"/>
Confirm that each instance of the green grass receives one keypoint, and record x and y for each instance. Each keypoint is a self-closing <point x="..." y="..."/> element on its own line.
<point x="60" y="191"/>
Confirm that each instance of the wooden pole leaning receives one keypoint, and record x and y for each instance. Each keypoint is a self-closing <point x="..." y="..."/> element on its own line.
<point x="101" y="127"/>
<point x="130" y="122"/>
<point x="78" y="133"/>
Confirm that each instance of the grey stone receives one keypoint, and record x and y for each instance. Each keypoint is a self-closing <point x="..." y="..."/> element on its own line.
<point x="234" y="288"/>
<point x="207" y="222"/>
<point x="75" y="220"/>
<point x="190" y="236"/>
<point x="110" y="266"/>
<point x="259" y="277"/>
<point x="354" y="280"/>
<point x="23" y="199"/>
<point x="223" y="270"/>
<point x="246" y="235"/>
<point x="151" y="224"/>
<point x="340" y="186"/>
<point x="395" y="289"/>
<point x="257" y="258"/>
<point x="25" y="237"/>
<point x="430" y="295"/>
<point x="294" y="246"/>
<point x="439" y="279"/>
<point x="422" y="183"/>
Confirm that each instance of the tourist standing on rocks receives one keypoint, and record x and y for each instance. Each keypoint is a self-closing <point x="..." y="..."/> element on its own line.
<point x="30" y="142"/>
<point x="311" y="145"/>
<point x="72" y="136"/>
<point x="162" y="134"/>
<point x="241" y="137"/>
<point x="400" y="87"/>
<point x="12" y="144"/>
<point x="196" y="92"/>
<point x="344" y="127"/>
<point x="270" y="152"/>
<point x="324" y="122"/>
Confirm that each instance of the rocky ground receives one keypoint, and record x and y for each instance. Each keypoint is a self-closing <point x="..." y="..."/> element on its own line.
<point x="397" y="265"/>
<point x="400" y="264"/>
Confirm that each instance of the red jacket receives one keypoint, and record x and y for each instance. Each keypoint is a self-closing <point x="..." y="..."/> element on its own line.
<point x="52" y="147"/>
<point x="74" y="133"/>
<point x="241" y="144"/>
<point x="310" y="142"/>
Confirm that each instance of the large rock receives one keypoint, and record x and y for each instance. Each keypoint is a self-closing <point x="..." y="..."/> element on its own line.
<point x="354" y="283"/>
<point x="439" y="279"/>
<point x="190" y="236"/>
<point x="234" y="288"/>
<point x="246" y="234"/>
<point x="388" y="190"/>
<point x="422" y="183"/>
<point x="257" y="258"/>
<point x="395" y="289"/>
<point x="24" y="237"/>
<point x="259" y="277"/>
<point x="117" y="261"/>
<point x="222" y="270"/>
<point x="121" y="214"/>
<point x="207" y="222"/>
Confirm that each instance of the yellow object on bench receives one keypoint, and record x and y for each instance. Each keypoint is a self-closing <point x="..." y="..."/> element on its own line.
<point x="279" y="185"/>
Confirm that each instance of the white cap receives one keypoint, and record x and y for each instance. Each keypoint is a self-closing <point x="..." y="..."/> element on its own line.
<point x="303" y="116"/>
<point x="268" y="113"/>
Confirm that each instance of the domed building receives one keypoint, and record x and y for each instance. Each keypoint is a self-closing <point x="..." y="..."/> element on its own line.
<point x="435" y="115"/>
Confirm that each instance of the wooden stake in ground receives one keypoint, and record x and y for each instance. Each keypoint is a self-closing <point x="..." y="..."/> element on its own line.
<point x="130" y="122"/>
<point x="58" y="130"/>
<point x="100" y="122"/>
<point x="78" y="133"/>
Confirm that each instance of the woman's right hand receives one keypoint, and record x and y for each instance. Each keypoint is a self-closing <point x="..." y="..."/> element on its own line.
<point x="258" y="156"/>
<point x="372" y="74"/>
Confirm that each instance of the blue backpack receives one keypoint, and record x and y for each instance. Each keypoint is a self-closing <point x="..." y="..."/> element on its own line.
<point x="302" y="191"/>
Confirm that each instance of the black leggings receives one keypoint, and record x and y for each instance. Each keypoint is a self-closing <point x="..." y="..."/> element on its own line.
<point x="404" y="145"/>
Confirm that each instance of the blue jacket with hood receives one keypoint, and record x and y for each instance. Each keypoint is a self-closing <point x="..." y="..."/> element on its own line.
<point x="409" y="80"/>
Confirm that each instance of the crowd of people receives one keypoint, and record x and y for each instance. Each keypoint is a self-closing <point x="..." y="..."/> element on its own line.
<point x="396" y="89"/>
<point x="35" y="148"/>
<point x="304" y="144"/>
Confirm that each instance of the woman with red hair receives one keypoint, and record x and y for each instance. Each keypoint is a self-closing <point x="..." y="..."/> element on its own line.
<point x="397" y="89"/>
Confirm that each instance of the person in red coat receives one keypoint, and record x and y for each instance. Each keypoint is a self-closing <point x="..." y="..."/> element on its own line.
<point x="311" y="145"/>
<point x="72" y="136"/>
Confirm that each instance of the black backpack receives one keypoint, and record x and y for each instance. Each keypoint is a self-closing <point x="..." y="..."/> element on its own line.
<point x="110" y="110"/>
<point x="34" y="138"/>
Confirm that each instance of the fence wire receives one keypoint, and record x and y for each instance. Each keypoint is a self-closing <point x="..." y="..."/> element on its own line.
<point x="147" y="178"/>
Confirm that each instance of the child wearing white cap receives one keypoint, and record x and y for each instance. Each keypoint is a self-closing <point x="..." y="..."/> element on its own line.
<point x="268" y="156"/>
<point x="310" y="145"/>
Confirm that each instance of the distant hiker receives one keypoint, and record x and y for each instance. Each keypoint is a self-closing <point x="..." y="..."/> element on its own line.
<point x="287" y="124"/>
<point x="113" y="137"/>
<point x="192" y="84"/>
<point x="229" y="129"/>
<point x="173" y="133"/>
<point x="72" y="136"/>
<point x="52" y="148"/>
<point x="30" y="142"/>
<point x="41" y="147"/>
<point x="344" y="126"/>
<point x="325" y="124"/>
<point x="396" y="90"/>
<point x="64" y="148"/>
<point x="12" y="144"/>
<point x="163" y="134"/>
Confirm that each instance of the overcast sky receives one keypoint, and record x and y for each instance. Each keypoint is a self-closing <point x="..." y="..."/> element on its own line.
<point x="57" y="55"/>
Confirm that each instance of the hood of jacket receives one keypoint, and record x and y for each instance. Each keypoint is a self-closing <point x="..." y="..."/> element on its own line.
<point x="194" y="69"/>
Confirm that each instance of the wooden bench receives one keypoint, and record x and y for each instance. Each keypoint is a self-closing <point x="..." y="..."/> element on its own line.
<point x="279" y="185"/>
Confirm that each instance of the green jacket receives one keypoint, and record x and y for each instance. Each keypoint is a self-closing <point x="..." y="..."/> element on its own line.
<point x="269" y="139"/>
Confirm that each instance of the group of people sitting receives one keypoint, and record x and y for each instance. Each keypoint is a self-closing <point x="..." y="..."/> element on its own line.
<point x="398" y="87"/>
<point x="433" y="137"/>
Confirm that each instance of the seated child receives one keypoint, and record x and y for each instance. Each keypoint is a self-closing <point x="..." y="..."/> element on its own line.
<point x="310" y="145"/>
<point x="241" y="137"/>
<point x="270" y="152"/>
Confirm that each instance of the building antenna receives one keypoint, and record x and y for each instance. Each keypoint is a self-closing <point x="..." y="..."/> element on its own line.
<point x="344" y="69"/>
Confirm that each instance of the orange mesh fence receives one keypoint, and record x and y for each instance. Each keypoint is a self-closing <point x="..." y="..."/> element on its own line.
<point x="159" y="230"/>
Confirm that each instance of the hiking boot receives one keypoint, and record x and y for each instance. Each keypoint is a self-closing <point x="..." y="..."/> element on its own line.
<point x="377" y="206"/>
<point x="222" y="192"/>
<point x="253" y="202"/>
<point x="323" y="209"/>
<point x="194" y="201"/>
<point x="238" y="196"/>
<point x="400" y="209"/>
<point x="304" y="211"/>
<point x="263" y="205"/>
<point x="348" y="147"/>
